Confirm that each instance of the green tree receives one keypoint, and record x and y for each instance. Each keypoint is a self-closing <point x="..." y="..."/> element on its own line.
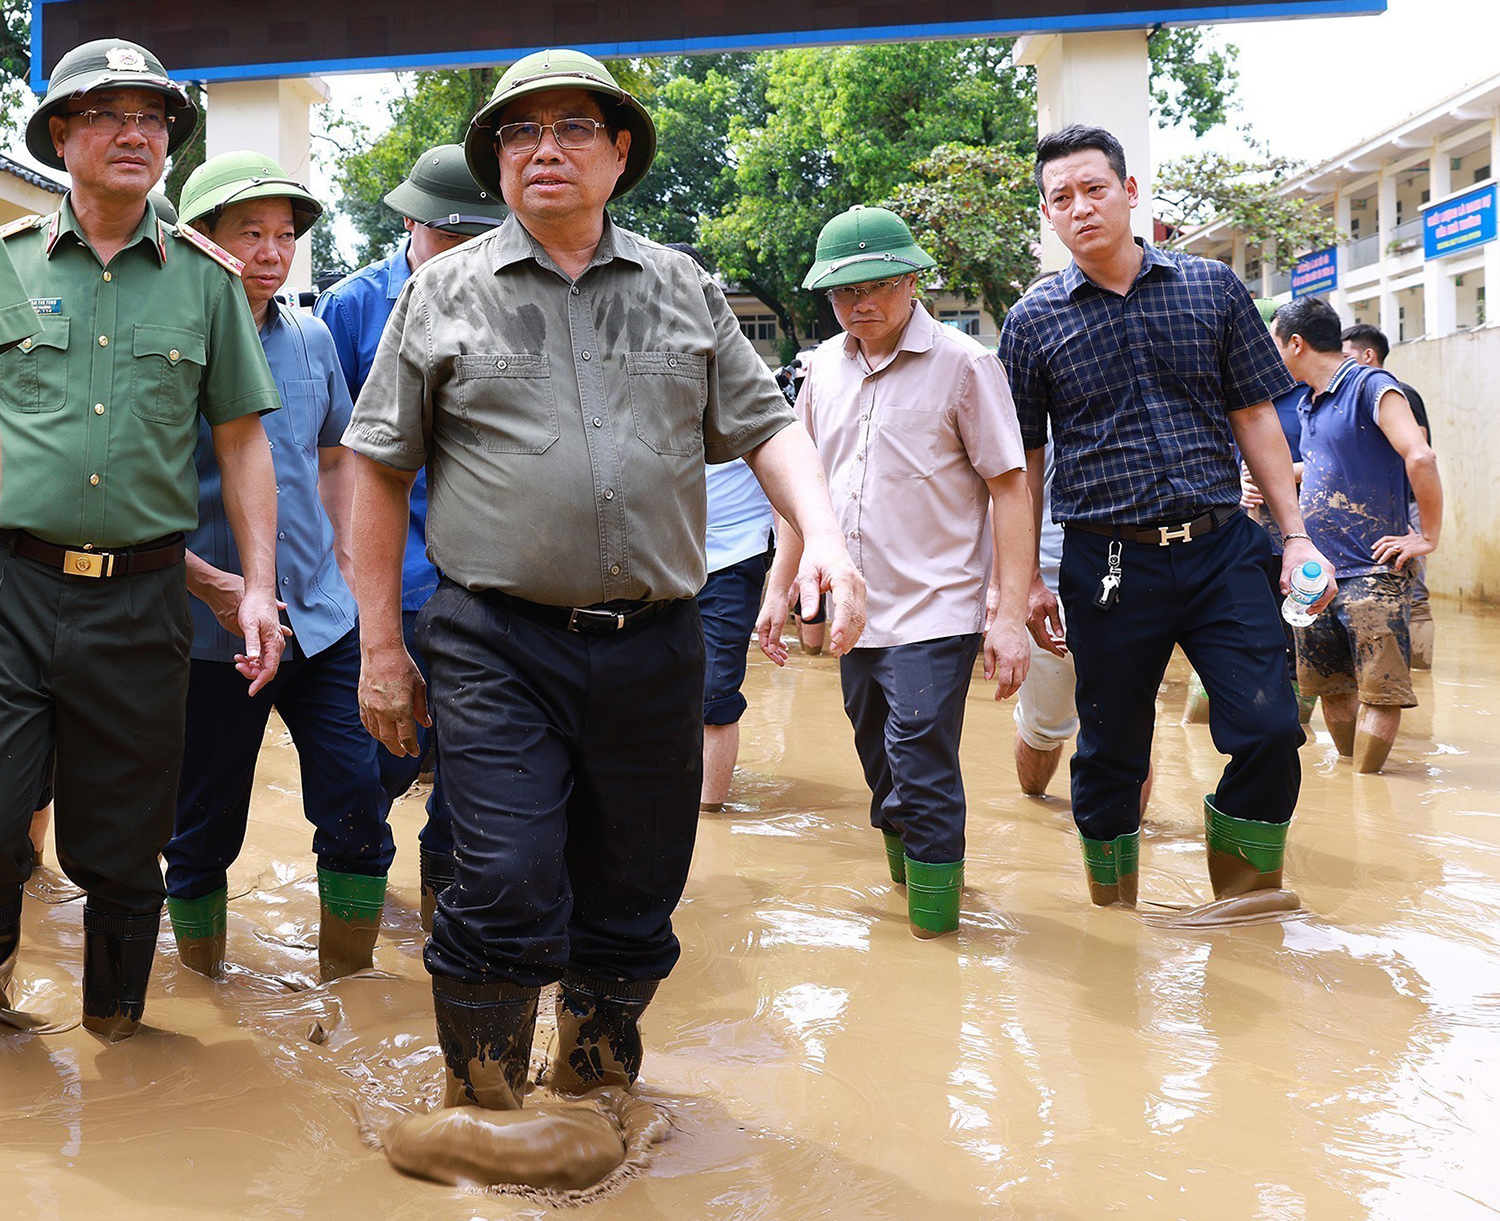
<point x="15" y="64"/>
<point x="1192" y="81"/>
<point x="1244" y="192"/>
<point x="974" y="210"/>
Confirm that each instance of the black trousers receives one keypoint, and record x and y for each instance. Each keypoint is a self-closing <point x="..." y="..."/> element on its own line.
<point x="96" y="670"/>
<point x="572" y="766"/>
<point x="1211" y="596"/>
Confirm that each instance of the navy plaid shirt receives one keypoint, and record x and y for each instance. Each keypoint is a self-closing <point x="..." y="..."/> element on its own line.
<point x="1138" y="389"/>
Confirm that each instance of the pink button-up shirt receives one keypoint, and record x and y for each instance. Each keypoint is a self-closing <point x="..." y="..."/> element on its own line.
<point x="907" y="447"/>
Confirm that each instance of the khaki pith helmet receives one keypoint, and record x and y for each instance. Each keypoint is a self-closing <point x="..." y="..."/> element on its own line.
<point x="441" y="194"/>
<point x="558" y="69"/>
<point x="239" y="177"/>
<point x="864" y="244"/>
<point x="107" y="63"/>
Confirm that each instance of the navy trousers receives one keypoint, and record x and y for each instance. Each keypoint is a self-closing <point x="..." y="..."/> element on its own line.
<point x="399" y="772"/>
<point x="573" y="765"/>
<point x="906" y="704"/>
<point x="728" y="603"/>
<point x="1210" y="596"/>
<point x="318" y="698"/>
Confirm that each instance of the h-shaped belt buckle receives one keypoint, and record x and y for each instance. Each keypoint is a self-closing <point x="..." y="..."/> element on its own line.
<point x="88" y="563"/>
<point x="583" y="616"/>
<point x="1181" y="534"/>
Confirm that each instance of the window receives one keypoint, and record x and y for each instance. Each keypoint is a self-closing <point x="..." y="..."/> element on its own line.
<point x="965" y="320"/>
<point x="759" y="328"/>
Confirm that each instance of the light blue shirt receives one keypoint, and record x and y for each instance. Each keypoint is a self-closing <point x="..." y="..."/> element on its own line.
<point x="356" y="310"/>
<point x="739" y="515"/>
<point x="315" y="411"/>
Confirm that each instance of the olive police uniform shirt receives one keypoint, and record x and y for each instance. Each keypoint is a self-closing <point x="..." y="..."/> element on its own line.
<point x="565" y="425"/>
<point x="18" y="320"/>
<point x="99" y="412"/>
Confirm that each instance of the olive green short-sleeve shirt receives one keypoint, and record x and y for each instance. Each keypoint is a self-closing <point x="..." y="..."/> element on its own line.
<point x="18" y="320"/>
<point x="565" y="425"/>
<point x="99" y="412"/>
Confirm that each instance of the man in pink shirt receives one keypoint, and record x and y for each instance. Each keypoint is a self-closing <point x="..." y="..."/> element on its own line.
<point x="918" y="435"/>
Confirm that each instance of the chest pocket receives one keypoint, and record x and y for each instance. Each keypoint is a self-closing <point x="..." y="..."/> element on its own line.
<point x="167" y="369"/>
<point x="299" y="406"/>
<point x="506" y="401"/>
<point x="910" y="443"/>
<point x="36" y="372"/>
<point x="668" y="391"/>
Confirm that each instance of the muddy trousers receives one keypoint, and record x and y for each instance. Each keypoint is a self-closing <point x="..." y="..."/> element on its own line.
<point x="906" y="704"/>
<point x="1210" y="596"/>
<point x="318" y="699"/>
<point x="573" y="765"/>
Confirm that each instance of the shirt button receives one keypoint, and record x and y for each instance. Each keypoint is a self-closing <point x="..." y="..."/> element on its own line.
<point x="94" y="479"/>
<point x="598" y="423"/>
<point x="98" y="408"/>
<point x="860" y="455"/>
<point x="614" y="570"/>
<point x="671" y="362"/>
<point x="281" y="534"/>
<point x="25" y="345"/>
<point x="108" y="277"/>
<point x="574" y="290"/>
<point x="286" y="580"/>
<point x="609" y="493"/>
<point x="500" y="364"/>
<point x="104" y="341"/>
<point x="588" y="356"/>
<point x="174" y="354"/>
<point x="271" y="444"/>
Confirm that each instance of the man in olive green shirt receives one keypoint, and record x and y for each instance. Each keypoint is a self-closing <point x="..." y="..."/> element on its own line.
<point x="563" y="381"/>
<point x="143" y="328"/>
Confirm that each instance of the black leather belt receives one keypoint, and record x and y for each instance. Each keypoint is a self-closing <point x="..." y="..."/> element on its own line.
<point x="604" y="619"/>
<point x="76" y="562"/>
<point x="1160" y="536"/>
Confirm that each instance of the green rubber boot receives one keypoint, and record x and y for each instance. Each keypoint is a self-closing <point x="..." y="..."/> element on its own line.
<point x="895" y="857"/>
<point x="199" y="926"/>
<point x="932" y="897"/>
<point x="1113" y="868"/>
<point x="1243" y="854"/>
<point x="351" y="906"/>
<point x="1305" y="705"/>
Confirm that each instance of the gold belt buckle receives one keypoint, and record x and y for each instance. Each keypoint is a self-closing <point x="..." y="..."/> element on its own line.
<point x="88" y="564"/>
<point x="1183" y="534"/>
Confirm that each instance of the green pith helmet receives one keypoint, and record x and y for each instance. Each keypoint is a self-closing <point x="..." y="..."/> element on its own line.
<point x="1267" y="308"/>
<point x="240" y="177"/>
<point x="559" y="69"/>
<point x="441" y="194"/>
<point x="166" y="212"/>
<point x="107" y="63"/>
<point x="864" y="244"/>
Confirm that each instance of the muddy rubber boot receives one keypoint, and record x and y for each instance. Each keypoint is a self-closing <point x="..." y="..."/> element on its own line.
<point x="932" y="893"/>
<point x="1305" y="705"/>
<point x="1342" y="733"/>
<point x="1195" y="711"/>
<point x="117" y="955"/>
<point x="485" y="1032"/>
<point x="1112" y="866"/>
<point x="436" y="870"/>
<point x="598" y="1032"/>
<point x="1243" y="853"/>
<point x="1423" y="635"/>
<point x="351" y="904"/>
<point x="895" y="857"/>
<point x="10" y="944"/>
<point x="200" y="927"/>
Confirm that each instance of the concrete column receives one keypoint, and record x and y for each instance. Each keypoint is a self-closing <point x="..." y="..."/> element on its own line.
<point x="1339" y="297"/>
<point x="1389" y="322"/>
<point x="1102" y="80"/>
<point x="1439" y="297"/>
<point x="1492" y="251"/>
<point x="271" y="117"/>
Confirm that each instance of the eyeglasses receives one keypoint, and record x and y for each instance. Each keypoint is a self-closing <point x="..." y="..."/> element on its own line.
<point x="851" y="293"/>
<point x="112" y="122"/>
<point x="569" y="133"/>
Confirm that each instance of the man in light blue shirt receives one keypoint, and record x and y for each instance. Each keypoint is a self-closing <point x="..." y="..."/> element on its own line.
<point x="442" y="207"/>
<point x="246" y="202"/>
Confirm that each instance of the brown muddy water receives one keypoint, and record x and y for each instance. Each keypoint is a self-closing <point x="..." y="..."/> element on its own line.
<point x="1053" y="1061"/>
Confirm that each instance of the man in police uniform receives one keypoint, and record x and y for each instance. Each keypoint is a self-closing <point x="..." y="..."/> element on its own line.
<point x="144" y="328"/>
<point x="563" y="380"/>
<point x="442" y="207"/>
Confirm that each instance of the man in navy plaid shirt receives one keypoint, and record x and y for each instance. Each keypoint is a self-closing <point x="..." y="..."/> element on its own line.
<point x="1147" y="366"/>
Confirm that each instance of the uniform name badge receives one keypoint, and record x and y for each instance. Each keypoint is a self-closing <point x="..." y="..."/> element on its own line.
<point x="47" y="307"/>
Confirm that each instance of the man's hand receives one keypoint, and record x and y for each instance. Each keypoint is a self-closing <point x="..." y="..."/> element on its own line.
<point x="826" y="567"/>
<point x="1396" y="549"/>
<point x="260" y="625"/>
<point x="1007" y="657"/>
<point x="1044" y="619"/>
<point x="1250" y="497"/>
<point x="1300" y="551"/>
<point x="392" y="698"/>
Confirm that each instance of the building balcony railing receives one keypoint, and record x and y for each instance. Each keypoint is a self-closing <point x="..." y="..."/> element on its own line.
<point x="1362" y="252"/>
<point x="1406" y="236"/>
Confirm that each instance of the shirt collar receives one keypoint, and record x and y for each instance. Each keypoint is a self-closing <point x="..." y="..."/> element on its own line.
<point x="150" y="230"/>
<point x="1073" y="279"/>
<point x="400" y="271"/>
<point x="917" y="337"/>
<point x="510" y="243"/>
<point x="275" y="316"/>
<point x="1340" y="376"/>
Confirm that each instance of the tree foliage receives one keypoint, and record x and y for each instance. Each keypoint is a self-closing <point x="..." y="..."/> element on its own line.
<point x="15" y="65"/>
<point x="1192" y="81"/>
<point x="1243" y="192"/>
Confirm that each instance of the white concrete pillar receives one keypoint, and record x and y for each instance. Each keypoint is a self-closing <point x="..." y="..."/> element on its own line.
<point x="1339" y="297"/>
<point x="271" y="117"/>
<point x="1102" y="80"/>
<point x="1492" y="251"/>
<point x="1386" y="224"/>
<point x="1439" y="296"/>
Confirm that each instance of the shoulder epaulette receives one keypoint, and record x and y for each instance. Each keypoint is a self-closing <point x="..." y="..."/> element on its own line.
<point x="214" y="251"/>
<point x="21" y="225"/>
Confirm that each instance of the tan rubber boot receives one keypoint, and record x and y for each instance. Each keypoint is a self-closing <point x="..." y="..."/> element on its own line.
<point x="350" y="909"/>
<point x="598" y="1032"/>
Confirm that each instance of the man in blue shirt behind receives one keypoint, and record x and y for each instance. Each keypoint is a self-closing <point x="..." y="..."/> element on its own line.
<point x="1361" y="443"/>
<point x="442" y="207"/>
<point x="1148" y="368"/>
<point x="245" y="202"/>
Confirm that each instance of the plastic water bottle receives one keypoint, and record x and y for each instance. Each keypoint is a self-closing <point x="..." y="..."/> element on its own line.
<point x="1307" y="586"/>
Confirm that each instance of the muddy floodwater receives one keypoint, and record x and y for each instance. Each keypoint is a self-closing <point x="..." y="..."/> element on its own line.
<point x="1052" y="1061"/>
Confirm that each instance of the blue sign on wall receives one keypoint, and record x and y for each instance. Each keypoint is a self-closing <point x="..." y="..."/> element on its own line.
<point x="1459" y="223"/>
<point x="1316" y="273"/>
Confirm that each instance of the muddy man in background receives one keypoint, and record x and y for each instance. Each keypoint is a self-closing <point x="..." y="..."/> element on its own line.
<point x="562" y="380"/>
<point x="145" y="332"/>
